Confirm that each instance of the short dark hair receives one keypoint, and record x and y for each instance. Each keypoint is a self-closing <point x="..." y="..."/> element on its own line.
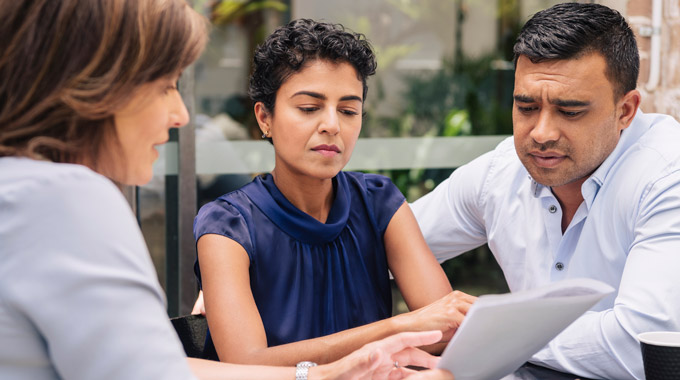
<point x="289" y="47"/>
<point x="571" y="30"/>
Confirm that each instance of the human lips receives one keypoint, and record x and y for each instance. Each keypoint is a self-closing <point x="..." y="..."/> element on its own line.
<point x="547" y="159"/>
<point x="154" y="148"/>
<point x="327" y="150"/>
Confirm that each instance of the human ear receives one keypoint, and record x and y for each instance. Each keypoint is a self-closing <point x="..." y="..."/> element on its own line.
<point x="626" y="108"/>
<point x="263" y="118"/>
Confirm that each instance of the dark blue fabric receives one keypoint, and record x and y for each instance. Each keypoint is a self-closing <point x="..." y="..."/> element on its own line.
<point x="311" y="279"/>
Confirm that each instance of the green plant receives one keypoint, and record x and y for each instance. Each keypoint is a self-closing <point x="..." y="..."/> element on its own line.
<point x="468" y="98"/>
<point x="228" y="11"/>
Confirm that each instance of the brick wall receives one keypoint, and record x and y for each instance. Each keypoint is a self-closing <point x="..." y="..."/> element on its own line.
<point x="665" y="98"/>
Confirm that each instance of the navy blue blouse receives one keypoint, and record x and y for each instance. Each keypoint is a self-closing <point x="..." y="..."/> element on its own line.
<point x="310" y="279"/>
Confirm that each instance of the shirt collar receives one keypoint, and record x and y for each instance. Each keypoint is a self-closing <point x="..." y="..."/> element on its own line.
<point x="538" y="190"/>
<point x="629" y="136"/>
<point x="296" y="223"/>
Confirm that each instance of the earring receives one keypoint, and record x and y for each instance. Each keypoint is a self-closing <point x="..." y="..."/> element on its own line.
<point x="264" y="135"/>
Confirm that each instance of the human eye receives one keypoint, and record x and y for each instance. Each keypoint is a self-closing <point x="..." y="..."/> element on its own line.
<point x="571" y="114"/>
<point x="308" y="109"/>
<point x="170" y="87"/>
<point x="349" y="112"/>
<point x="526" y="109"/>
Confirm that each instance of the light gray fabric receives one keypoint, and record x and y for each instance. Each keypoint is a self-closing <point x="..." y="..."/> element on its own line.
<point x="79" y="298"/>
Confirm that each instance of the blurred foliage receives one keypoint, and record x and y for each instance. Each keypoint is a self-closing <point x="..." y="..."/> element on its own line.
<point x="410" y="16"/>
<point x="254" y="17"/>
<point x="225" y="12"/>
<point x="465" y="96"/>
<point x="476" y="272"/>
<point x="469" y="98"/>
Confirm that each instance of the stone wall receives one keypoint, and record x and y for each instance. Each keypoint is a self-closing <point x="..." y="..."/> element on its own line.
<point x="665" y="98"/>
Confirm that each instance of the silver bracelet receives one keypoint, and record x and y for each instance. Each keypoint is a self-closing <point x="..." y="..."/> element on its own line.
<point x="302" y="369"/>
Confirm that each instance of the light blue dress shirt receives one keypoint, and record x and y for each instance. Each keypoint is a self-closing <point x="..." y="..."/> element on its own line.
<point x="625" y="233"/>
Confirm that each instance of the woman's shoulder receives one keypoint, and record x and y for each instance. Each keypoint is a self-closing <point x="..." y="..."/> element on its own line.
<point x="56" y="199"/>
<point x="47" y="181"/>
<point x="378" y="187"/>
<point x="369" y="181"/>
<point x="381" y="197"/>
<point x="31" y="172"/>
<point x="228" y="215"/>
<point x="72" y="209"/>
<point x="234" y="203"/>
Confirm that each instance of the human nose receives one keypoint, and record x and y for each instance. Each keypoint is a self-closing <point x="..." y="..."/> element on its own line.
<point x="545" y="129"/>
<point x="330" y="123"/>
<point x="179" y="115"/>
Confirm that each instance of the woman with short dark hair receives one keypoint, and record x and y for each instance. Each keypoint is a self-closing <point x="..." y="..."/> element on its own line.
<point x="295" y="265"/>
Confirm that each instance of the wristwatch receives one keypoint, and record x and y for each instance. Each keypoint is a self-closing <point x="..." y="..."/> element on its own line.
<point x="301" y="370"/>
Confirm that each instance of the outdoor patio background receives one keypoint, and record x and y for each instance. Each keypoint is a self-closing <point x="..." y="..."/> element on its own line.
<point x="444" y="81"/>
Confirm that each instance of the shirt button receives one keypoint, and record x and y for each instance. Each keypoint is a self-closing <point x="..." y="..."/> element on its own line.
<point x="559" y="266"/>
<point x="552" y="209"/>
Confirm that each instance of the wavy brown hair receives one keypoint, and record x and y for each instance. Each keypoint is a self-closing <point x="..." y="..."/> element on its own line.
<point x="68" y="65"/>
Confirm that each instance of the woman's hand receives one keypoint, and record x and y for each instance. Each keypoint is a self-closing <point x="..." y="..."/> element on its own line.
<point x="435" y="374"/>
<point x="385" y="359"/>
<point x="445" y="314"/>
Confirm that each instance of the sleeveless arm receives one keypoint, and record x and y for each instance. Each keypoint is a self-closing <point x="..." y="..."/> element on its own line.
<point x="419" y="276"/>
<point x="223" y="219"/>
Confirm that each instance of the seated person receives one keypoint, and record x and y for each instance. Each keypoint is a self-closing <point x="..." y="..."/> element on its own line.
<point x="588" y="187"/>
<point x="295" y="265"/>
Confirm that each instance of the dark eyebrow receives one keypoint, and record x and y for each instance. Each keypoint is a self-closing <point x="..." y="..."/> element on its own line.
<point x="350" y="97"/>
<point x="523" y="98"/>
<point x="310" y="93"/>
<point x="570" y="103"/>
<point x="323" y="97"/>
<point x="558" y="102"/>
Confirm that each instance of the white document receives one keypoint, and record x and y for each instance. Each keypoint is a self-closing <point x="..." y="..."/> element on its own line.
<point x="501" y="332"/>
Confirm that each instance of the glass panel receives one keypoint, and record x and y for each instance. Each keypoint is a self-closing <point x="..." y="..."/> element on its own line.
<point x="151" y="214"/>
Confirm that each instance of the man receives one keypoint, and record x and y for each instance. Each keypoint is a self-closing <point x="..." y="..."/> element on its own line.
<point x="588" y="186"/>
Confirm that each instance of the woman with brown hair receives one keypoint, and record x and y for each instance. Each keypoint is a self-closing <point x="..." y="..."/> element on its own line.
<point x="87" y="90"/>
